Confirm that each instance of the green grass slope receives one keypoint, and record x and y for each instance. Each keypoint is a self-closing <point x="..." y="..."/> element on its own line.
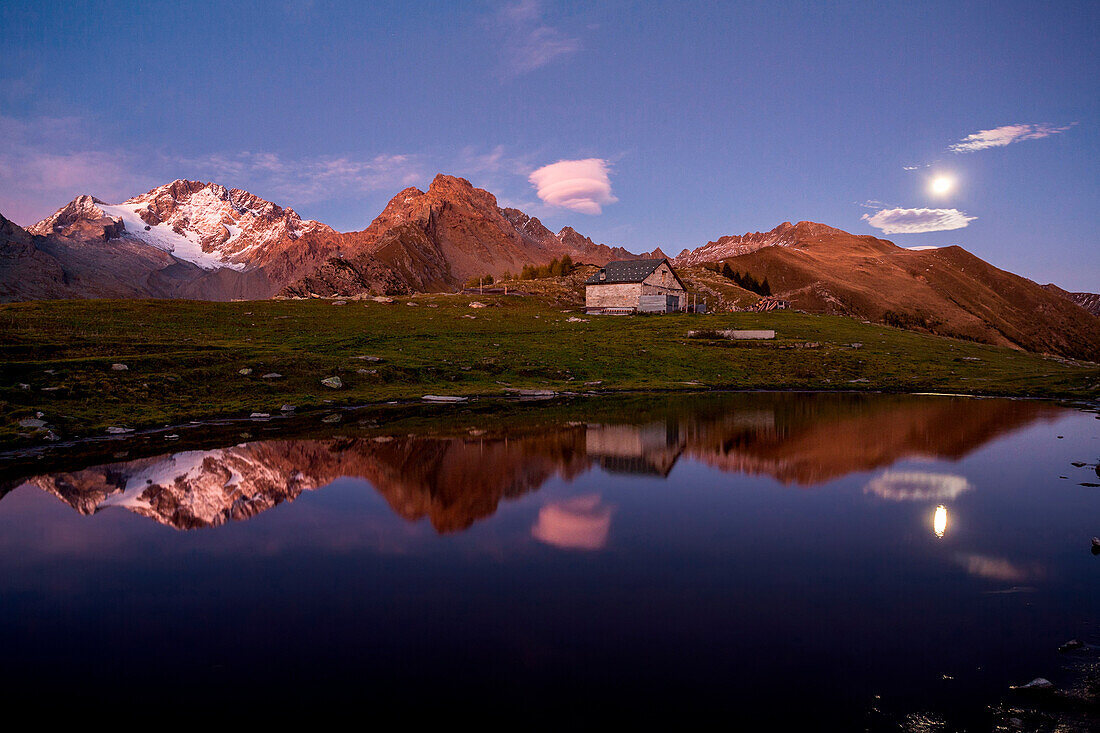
<point x="184" y="358"/>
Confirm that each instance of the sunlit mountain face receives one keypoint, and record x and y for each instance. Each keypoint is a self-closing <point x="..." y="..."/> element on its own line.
<point x="456" y="479"/>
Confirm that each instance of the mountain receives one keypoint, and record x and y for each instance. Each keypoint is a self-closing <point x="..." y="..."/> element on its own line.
<point x="945" y="290"/>
<point x="205" y="224"/>
<point x="438" y="239"/>
<point x="96" y="262"/>
<point x="189" y="239"/>
<point x="185" y="239"/>
<point x="733" y="245"/>
<point x="1088" y="301"/>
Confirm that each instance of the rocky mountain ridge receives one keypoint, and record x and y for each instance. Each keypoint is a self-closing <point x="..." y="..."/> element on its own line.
<point x="1088" y="301"/>
<point x="438" y="239"/>
<point x="785" y="235"/>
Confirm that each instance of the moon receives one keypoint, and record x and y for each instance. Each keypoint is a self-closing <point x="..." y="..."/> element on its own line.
<point x="942" y="184"/>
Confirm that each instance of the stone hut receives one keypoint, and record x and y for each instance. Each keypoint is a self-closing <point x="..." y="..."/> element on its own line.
<point x="634" y="286"/>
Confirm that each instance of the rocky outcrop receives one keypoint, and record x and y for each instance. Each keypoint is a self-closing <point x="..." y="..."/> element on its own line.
<point x="346" y="278"/>
<point x="437" y="239"/>
<point x="81" y="219"/>
<point x="241" y="227"/>
<point x="34" y="266"/>
<point x="583" y="249"/>
<point x="26" y="272"/>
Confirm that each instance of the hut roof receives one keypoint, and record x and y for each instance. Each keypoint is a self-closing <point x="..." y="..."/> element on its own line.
<point x="627" y="271"/>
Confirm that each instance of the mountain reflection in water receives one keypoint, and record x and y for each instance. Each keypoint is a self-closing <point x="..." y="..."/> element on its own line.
<point x="457" y="479"/>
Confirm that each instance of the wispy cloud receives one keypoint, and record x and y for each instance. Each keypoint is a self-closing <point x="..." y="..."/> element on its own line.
<point x="47" y="161"/>
<point x="497" y="161"/>
<point x="916" y="221"/>
<point x="873" y="204"/>
<point x="528" y="42"/>
<point x="308" y="179"/>
<point x="580" y="185"/>
<point x="1005" y="135"/>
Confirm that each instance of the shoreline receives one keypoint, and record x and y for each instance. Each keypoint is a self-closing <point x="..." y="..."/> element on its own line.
<point x="482" y="413"/>
<point x="488" y="401"/>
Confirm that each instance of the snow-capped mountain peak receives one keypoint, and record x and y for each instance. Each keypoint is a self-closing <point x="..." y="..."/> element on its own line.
<point x="202" y="223"/>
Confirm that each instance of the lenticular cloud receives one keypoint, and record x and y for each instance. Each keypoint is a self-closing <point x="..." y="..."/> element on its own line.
<point x="580" y="185"/>
<point x="916" y="221"/>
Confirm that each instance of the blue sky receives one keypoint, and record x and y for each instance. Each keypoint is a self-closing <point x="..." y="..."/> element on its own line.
<point x="688" y="121"/>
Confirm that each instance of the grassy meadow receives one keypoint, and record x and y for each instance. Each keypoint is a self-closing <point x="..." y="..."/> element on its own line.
<point x="184" y="359"/>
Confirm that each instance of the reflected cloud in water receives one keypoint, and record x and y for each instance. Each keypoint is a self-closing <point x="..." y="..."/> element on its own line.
<point x="580" y="523"/>
<point x="917" y="486"/>
<point x="1000" y="569"/>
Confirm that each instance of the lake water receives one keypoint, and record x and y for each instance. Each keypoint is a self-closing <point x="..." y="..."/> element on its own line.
<point x="836" y="561"/>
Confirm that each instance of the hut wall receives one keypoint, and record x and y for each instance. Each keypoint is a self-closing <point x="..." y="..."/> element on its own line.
<point x="615" y="295"/>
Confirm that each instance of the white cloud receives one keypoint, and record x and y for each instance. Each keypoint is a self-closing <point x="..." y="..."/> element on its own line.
<point x="1005" y="135"/>
<point x="916" y="221"/>
<point x="580" y="185"/>
<point x="527" y="41"/>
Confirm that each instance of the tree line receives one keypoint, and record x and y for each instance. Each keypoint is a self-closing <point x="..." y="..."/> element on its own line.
<point x="555" y="268"/>
<point x="745" y="280"/>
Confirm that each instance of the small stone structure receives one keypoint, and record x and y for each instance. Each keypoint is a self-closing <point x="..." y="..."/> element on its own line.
<point x="634" y="286"/>
<point x="759" y="334"/>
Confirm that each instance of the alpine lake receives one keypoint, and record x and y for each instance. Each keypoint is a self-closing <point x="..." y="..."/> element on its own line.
<point x="774" y="560"/>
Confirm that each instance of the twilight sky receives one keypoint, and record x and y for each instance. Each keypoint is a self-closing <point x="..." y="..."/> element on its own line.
<point x="638" y="123"/>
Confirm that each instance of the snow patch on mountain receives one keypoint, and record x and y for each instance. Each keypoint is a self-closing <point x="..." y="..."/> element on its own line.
<point x="162" y="236"/>
<point x="728" y="246"/>
<point x="231" y="226"/>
